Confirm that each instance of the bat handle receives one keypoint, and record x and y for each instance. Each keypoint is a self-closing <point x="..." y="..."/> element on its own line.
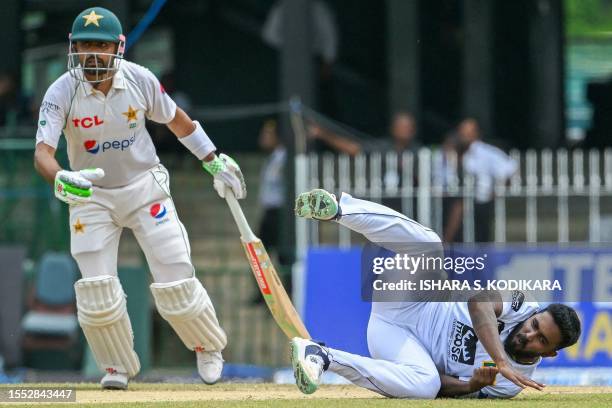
<point x="241" y="221"/>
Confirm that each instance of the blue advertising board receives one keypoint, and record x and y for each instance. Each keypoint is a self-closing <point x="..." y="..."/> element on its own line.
<point x="335" y="313"/>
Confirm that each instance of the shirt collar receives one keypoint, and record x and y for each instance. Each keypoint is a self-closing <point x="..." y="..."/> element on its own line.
<point x="119" y="82"/>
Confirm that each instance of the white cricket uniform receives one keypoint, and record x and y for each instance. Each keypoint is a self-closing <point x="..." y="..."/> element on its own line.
<point x="108" y="131"/>
<point x="412" y="342"/>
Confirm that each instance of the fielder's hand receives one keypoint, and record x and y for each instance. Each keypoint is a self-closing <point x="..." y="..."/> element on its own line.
<point x="75" y="187"/>
<point x="483" y="377"/>
<point x="517" y="378"/>
<point x="226" y="173"/>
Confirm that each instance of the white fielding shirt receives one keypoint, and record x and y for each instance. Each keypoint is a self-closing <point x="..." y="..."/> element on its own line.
<point x="456" y="351"/>
<point x="106" y="131"/>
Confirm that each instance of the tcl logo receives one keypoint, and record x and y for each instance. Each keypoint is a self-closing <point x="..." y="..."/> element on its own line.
<point x="87" y="122"/>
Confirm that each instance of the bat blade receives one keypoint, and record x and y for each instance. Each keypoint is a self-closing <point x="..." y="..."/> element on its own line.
<point x="273" y="291"/>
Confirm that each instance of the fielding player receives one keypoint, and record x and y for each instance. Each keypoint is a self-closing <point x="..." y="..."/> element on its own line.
<point x="117" y="181"/>
<point x="429" y="349"/>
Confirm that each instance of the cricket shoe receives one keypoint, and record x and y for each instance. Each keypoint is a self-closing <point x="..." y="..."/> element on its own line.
<point x="309" y="360"/>
<point x="318" y="204"/>
<point x="114" y="380"/>
<point x="210" y="366"/>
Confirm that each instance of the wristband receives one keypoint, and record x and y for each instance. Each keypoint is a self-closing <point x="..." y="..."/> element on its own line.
<point x="198" y="142"/>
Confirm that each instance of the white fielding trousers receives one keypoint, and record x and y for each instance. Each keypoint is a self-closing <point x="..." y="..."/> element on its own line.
<point x="401" y="366"/>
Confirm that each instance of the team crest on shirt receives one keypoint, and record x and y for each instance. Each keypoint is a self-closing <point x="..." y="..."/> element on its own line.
<point x="131" y="114"/>
<point x="462" y="343"/>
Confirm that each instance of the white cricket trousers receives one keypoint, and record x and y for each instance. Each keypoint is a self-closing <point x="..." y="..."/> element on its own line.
<point x="401" y="366"/>
<point x="145" y="207"/>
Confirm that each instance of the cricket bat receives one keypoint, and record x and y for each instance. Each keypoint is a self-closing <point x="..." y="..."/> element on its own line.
<point x="267" y="279"/>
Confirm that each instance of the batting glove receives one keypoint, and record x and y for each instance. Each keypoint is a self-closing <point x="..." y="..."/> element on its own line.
<point x="226" y="173"/>
<point x="75" y="187"/>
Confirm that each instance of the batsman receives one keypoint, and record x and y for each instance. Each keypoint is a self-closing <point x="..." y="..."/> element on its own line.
<point x="116" y="181"/>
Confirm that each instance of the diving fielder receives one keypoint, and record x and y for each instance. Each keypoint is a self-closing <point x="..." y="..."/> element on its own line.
<point x="432" y="349"/>
<point x="115" y="181"/>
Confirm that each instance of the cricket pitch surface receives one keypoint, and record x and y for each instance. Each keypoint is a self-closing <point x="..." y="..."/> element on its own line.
<point x="274" y="395"/>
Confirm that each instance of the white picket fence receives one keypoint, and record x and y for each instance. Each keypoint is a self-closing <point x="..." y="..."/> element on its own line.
<point x="566" y="188"/>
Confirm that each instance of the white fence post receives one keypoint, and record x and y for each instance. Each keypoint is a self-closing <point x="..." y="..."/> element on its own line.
<point x="344" y="184"/>
<point x="531" y="217"/>
<point x="562" y="196"/>
<point x="408" y="183"/>
<point x="437" y="193"/>
<point x="468" y="207"/>
<point x="361" y="183"/>
<point x="594" y="190"/>
<point x="314" y="183"/>
<point x="376" y="181"/>
<point x="424" y="188"/>
<point x="500" y="211"/>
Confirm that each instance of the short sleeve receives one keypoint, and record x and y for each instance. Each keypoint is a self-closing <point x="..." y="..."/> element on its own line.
<point x="516" y="307"/>
<point x="160" y="106"/>
<point x="52" y="116"/>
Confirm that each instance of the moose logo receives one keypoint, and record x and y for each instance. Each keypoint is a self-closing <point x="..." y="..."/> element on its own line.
<point x="462" y="343"/>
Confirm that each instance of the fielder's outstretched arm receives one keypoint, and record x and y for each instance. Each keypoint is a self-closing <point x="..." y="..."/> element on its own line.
<point x="484" y="313"/>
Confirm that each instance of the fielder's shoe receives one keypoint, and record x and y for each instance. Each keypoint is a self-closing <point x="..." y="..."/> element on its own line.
<point x="210" y="366"/>
<point x="114" y="381"/>
<point x="309" y="360"/>
<point x="318" y="204"/>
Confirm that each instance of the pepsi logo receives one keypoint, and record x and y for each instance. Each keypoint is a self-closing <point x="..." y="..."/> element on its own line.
<point x="92" y="146"/>
<point x="158" y="211"/>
